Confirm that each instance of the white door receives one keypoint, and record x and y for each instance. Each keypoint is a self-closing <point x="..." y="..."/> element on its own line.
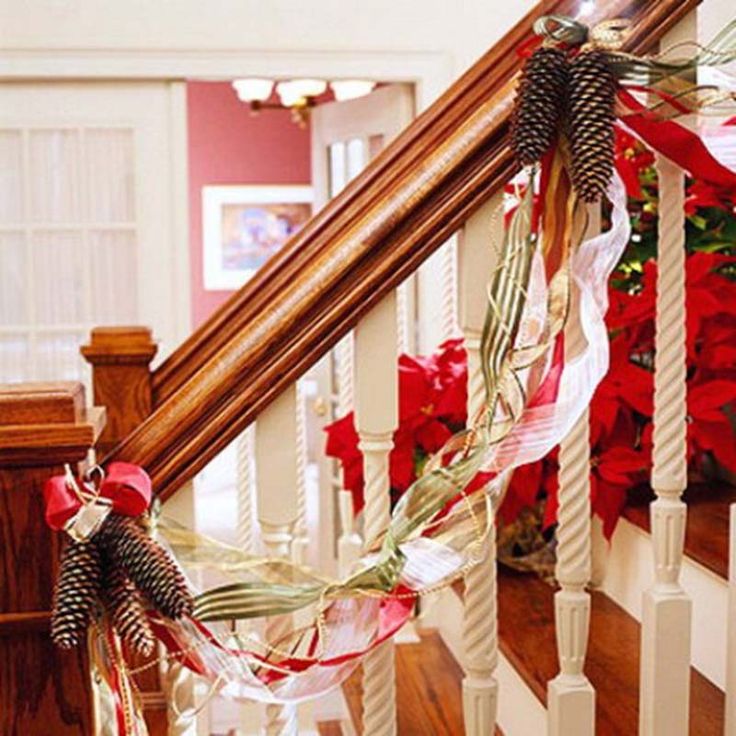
<point x="92" y="219"/>
<point x="345" y="137"/>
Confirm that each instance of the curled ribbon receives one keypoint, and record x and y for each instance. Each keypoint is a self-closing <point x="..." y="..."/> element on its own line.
<point x="608" y="34"/>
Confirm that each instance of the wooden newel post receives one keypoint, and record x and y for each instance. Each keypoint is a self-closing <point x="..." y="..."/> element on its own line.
<point x="122" y="382"/>
<point x="42" y="690"/>
<point x="121" y="376"/>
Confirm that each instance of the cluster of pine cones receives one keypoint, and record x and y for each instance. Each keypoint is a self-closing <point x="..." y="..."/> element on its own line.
<point x="574" y="96"/>
<point x="122" y="569"/>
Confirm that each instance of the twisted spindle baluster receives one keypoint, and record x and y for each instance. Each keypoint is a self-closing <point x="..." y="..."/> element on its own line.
<point x="245" y="481"/>
<point x="666" y="611"/>
<point x="376" y="415"/>
<point x="479" y="237"/>
<point x="301" y="538"/>
<point x="450" y="326"/>
<point x="570" y="696"/>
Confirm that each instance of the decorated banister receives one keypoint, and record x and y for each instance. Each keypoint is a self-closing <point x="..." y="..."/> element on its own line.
<point x="376" y="418"/>
<point x="246" y="488"/>
<point x="666" y="607"/>
<point x="351" y="255"/>
<point x="42" y="427"/>
<point x="479" y="240"/>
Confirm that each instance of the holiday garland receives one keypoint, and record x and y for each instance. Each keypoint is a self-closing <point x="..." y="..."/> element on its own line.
<point x="546" y="280"/>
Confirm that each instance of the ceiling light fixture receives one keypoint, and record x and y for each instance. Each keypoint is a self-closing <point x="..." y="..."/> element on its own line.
<point x="298" y="95"/>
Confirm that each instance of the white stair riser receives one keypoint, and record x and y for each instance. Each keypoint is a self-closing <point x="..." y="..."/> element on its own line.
<point x="629" y="574"/>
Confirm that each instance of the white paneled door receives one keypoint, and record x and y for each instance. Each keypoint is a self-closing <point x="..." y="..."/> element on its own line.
<point x="92" y="219"/>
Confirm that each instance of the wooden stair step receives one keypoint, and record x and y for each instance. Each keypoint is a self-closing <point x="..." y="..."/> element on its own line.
<point x="527" y="639"/>
<point x="428" y="690"/>
<point x="706" y="534"/>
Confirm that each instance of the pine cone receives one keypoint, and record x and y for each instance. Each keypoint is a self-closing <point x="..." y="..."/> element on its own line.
<point x="147" y="564"/>
<point x="125" y="606"/>
<point x="539" y="104"/>
<point x="76" y="593"/>
<point x="590" y="117"/>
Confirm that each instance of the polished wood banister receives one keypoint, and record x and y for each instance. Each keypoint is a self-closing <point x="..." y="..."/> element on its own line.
<point x="362" y="245"/>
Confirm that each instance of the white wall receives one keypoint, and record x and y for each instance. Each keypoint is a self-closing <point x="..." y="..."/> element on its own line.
<point x="460" y="29"/>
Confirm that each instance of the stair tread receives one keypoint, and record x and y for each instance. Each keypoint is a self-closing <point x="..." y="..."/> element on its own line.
<point x="428" y="689"/>
<point x="706" y="534"/>
<point x="527" y="639"/>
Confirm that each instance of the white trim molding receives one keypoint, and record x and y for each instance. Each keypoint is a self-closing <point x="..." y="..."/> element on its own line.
<point x="431" y="72"/>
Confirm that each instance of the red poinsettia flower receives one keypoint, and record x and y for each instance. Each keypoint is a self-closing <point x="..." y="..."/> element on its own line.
<point x="613" y="472"/>
<point x="707" y="295"/>
<point x="634" y="311"/>
<point x="709" y="428"/>
<point x="701" y="194"/>
<point x="432" y="394"/>
<point x="625" y="387"/>
<point x="342" y="444"/>
<point x="717" y="345"/>
<point x="523" y="490"/>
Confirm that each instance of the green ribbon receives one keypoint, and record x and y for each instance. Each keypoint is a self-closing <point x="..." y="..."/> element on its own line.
<point x="268" y="587"/>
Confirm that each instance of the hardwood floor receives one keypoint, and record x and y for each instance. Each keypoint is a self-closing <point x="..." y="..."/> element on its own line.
<point x="428" y="692"/>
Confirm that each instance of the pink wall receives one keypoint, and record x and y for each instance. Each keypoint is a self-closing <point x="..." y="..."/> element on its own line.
<point x="228" y="145"/>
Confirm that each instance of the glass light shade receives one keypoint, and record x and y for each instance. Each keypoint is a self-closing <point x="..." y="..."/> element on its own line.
<point x="287" y="94"/>
<point x="308" y="87"/>
<point x="253" y="90"/>
<point x="349" y="89"/>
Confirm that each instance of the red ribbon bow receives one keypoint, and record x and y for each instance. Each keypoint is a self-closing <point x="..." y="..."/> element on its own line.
<point x="127" y="486"/>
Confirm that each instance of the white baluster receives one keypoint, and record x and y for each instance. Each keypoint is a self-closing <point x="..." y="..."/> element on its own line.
<point x="301" y="538"/>
<point x="376" y="415"/>
<point x="245" y="483"/>
<point x="450" y="326"/>
<point x="276" y="468"/>
<point x="403" y="315"/>
<point x="344" y="370"/>
<point x="479" y="238"/>
<point x="730" y="729"/>
<point x="666" y="612"/>
<point x="570" y="696"/>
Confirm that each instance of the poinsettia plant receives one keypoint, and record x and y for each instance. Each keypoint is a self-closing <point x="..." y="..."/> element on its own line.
<point x="432" y="390"/>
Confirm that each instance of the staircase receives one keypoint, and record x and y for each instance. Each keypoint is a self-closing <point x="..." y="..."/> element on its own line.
<point x="490" y="651"/>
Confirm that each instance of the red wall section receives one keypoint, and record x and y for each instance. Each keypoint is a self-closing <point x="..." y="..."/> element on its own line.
<point x="229" y="145"/>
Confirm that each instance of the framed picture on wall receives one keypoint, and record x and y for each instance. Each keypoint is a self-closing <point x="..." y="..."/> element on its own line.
<point x="243" y="226"/>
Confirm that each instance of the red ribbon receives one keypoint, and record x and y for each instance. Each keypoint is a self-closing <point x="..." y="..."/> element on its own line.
<point x="127" y="486"/>
<point x="677" y="143"/>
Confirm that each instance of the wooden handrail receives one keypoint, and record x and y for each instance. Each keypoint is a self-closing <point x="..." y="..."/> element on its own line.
<point x="364" y="243"/>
